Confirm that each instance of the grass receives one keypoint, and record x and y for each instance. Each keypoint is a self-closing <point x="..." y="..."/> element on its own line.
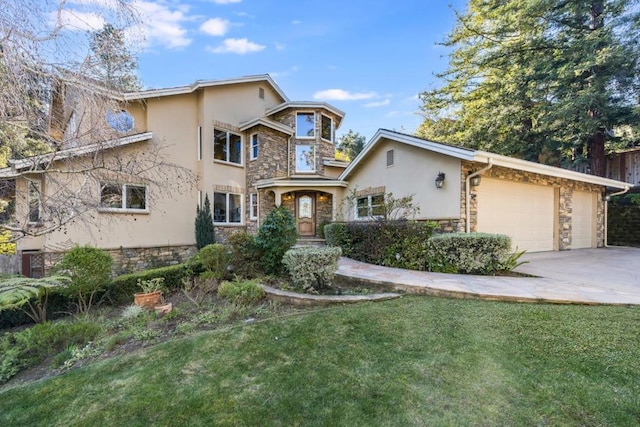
<point x="413" y="361"/>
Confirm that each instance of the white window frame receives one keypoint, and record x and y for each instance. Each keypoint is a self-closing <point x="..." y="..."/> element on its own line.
<point x="369" y="205"/>
<point x="227" y="210"/>
<point x="331" y="131"/>
<point x="199" y="142"/>
<point x="200" y="202"/>
<point x="298" y="136"/>
<point x="391" y="157"/>
<point x="254" y="149"/>
<point x="299" y="154"/>
<point x="123" y="194"/>
<point x="228" y="146"/>
<point x="253" y="206"/>
<point x="34" y="186"/>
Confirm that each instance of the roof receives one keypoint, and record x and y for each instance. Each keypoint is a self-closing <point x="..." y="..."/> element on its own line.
<point x="476" y="156"/>
<point x="268" y="123"/>
<point x="199" y="84"/>
<point x="307" y="105"/>
<point x="18" y="166"/>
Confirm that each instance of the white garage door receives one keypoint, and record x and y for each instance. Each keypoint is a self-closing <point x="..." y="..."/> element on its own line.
<point x="582" y="220"/>
<point x="524" y="212"/>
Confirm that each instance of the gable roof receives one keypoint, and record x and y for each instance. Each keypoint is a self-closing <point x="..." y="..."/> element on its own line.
<point x="476" y="156"/>
<point x="268" y="123"/>
<point x="199" y="84"/>
<point x="303" y="105"/>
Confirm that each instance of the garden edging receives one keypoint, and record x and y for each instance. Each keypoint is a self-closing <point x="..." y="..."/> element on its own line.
<point x="300" y="299"/>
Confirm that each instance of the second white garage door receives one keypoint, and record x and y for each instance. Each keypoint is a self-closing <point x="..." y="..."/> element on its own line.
<point x="524" y="212"/>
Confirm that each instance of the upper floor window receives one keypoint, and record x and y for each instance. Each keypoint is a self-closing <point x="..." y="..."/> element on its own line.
<point x="370" y="206"/>
<point x="305" y="158"/>
<point x="34" y="200"/>
<point x="227" y="208"/>
<point x="305" y="125"/>
<point x="254" y="146"/>
<point x="227" y="146"/>
<point x="327" y="128"/>
<point x="123" y="196"/>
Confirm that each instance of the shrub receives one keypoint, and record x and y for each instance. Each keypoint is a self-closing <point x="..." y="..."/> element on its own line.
<point x="89" y="270"/>
<point x="122" y="288"/>
<point x="205" y="233"/>
<point x="399" y="244"/>
<point x="245" y="258"/>
<point x="276" y="235"/>
<point x="214" y="259"/>
<point x="241" y="292"/>
<point x="312" y="268"/>
<point x="29" y="295"/>
<point x="467" y="253"/>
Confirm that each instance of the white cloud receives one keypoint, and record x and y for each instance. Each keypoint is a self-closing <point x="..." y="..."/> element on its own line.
<point x="377" y="103"/>
<point x="162" y="25"/>
<point x="78" y="21"/>
<point x="226" y="1"/>
<point x="215" y="27"/>
<point x="296" y="22"/>
<point x="106" y="4"/>
<point x="239" y="46"/>
<point x="285" y="73"/>
<point x="341" y="95"/>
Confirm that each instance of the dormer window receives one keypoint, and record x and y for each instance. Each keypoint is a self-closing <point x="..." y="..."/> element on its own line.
<point x="305" y="125"/>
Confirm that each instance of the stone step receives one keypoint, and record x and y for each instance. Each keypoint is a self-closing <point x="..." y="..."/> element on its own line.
<point x="310" y="241"/>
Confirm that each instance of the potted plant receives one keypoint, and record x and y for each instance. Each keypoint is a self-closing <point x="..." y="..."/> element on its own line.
<point x="151" y="294"/>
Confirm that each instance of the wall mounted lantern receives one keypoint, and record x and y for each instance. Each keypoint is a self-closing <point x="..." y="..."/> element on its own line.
<point x="440" y="180"/>
<point x="475" y="180"/>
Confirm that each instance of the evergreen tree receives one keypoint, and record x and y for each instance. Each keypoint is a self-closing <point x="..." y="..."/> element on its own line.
<point x="351" y="144"/>
<point x="205" y="234"/>
<point x="547" y="80"/>
<point x="112" y="62"/>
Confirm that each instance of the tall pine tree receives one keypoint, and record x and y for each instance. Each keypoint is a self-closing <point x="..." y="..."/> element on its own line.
<point x="205" y="234"/>
<point x="546" y="80"/>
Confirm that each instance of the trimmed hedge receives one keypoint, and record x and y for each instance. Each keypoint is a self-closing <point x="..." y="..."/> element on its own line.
<point x="399" y="244"/>
<point x="468" y="253"/>
<point x="312" y="268"/>
<point x="123" y="287"/>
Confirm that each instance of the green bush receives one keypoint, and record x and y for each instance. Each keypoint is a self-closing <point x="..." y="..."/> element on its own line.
<point x="399" y="243"/>
<point x="214" y="259"/>
<point x="90" y="272"/>
<point x="29" y="294"/>
<point x="26" y="348"/>
<point x="312" y="268"/>
<point x="468" y="253"/>
<point x="122" y="288"/>
<point x="205" y="232"/>
<point x="277" y="234"/>
<point x="241" y="292"/>
<point x="245" y="258"/>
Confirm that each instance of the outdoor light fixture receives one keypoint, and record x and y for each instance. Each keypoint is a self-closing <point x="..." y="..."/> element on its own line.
<point x="475" y="180"/>
<point x="440" y="180"/>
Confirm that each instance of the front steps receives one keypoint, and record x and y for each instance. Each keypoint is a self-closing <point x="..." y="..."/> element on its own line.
<point x="310" y="241"/>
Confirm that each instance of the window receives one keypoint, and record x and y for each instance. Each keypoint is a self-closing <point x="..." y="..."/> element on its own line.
<point x="261" y="92"/>
<point x="327" y="128"/>
<point x="305" y="125"/>
<point x="390" y="157"/>
<point x="125" y="197"/>
<point x="34" y="200"/>
<point x="370" y="206"/>
<point x="305" y="158"/>
<point x="227" y="146"/>
<point x="254" y="146"/>
<point x="227" y="208"/>
<point x="253" y="205"/>
<point x="199" y="142"/>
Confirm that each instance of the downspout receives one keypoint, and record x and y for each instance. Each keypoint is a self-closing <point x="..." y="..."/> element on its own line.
<point x="606" y="213"/>
<point x="467" y="189"/>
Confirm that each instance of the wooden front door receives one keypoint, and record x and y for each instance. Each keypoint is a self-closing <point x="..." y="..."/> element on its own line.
<point x="306" y="214"/>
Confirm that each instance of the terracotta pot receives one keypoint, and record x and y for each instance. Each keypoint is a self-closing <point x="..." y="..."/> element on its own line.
<point x="148" y="300"/>
<point x="163" y="309"/>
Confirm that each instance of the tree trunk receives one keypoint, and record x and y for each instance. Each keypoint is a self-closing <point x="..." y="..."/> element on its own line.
<point x="595" y="147"/>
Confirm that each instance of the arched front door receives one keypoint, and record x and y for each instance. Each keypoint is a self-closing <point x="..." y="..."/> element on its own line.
<point x="306" y="214"/>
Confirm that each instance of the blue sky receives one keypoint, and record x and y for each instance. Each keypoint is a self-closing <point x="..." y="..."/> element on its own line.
<point x="368" y="58"/>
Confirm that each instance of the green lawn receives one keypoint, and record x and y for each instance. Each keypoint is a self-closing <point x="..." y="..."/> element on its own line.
<point x="413" y="361"/>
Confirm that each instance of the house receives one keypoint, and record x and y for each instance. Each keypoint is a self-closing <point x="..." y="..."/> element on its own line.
<point x="249" y="148"/>
<point x="240" y="141"/>
<point x="542" y="208"/>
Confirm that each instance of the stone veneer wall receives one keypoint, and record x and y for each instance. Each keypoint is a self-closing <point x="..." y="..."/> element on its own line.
<point x="565" y="187"/>
<point x="324" y="211"/>
<point x="126" y="260"/>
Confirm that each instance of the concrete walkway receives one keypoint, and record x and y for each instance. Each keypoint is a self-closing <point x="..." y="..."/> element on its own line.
<point x="585" y="276"/>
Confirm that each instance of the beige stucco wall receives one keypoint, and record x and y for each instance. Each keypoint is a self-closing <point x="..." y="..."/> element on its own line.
<point x="414" y="172"/>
